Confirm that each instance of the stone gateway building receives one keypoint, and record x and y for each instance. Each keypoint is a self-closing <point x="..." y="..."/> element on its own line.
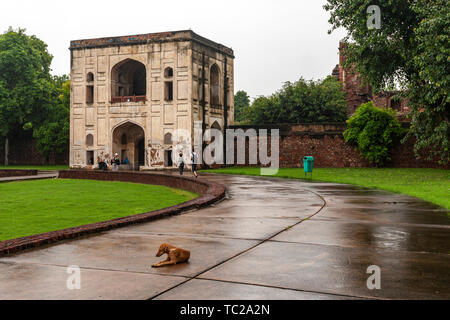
<point x="145" y="97"/>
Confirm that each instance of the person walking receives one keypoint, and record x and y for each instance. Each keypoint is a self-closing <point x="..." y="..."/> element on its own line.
<point x="181" y="163"/>
<point x="194" y="159"/>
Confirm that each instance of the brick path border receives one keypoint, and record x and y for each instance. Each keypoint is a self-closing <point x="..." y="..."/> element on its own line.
<point x="209" y="193"/>
<point x="17" y="173"/>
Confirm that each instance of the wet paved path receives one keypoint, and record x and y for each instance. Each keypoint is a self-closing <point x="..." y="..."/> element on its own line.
<point x="272" y="239"/>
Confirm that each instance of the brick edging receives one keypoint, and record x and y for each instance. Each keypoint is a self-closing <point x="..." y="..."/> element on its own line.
<point x="209" y="193"/>
<point x="6" y="173"/>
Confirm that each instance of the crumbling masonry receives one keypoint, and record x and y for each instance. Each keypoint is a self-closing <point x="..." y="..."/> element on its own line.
<point x="358" y="92"/>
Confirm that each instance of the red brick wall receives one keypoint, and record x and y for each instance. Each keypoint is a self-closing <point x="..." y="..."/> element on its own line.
<point x="326" y="144"/>
<point x="24" y="151"/>
<point x="16" y="173"/>
<point x="328" y="150"/>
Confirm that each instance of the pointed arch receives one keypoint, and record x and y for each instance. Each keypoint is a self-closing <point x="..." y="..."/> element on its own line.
<point x="121" y="123"/>
<point x="132" y="148"/>
<point x="128" y="78"/>
<point x="216" y="125"/>
<point x="168" y="138"/>
<point x="214" y="86"/>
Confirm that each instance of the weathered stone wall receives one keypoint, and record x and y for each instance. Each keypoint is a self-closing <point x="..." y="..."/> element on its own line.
<point x="326" y="144"/>
<point x="357" y="92"/>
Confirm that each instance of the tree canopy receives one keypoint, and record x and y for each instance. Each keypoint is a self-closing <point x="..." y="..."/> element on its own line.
<point x="300" y="102"/>
<point x="25" y="81"/>
<point x="411" y="49"/>
<point x="241" y="101"/>
<point x="30" y="98"/>
<point x="53" y="133"/>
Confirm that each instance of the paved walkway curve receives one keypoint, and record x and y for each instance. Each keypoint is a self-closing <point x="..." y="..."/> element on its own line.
<point x="40" y="175"/>
<point x="271" y="239"/>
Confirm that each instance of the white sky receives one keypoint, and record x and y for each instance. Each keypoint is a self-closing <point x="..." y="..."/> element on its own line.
<point x="273" y="41"/>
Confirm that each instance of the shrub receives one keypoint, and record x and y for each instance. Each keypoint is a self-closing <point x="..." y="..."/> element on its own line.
<point x="374" y="130"/>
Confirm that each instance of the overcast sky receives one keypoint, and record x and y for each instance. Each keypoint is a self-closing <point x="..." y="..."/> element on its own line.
<point x="273" y="41"/>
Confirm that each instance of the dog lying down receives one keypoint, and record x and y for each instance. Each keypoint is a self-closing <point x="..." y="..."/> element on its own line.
<point x="174" y="255"/>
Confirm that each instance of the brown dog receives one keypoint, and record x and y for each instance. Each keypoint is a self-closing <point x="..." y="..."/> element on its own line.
<point x="174" y="255"/>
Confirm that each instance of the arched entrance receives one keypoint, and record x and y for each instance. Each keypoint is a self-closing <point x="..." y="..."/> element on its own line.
<point x="129" y="144"/>
<point x="216" y="126"/>
<point x="128" y="81"/>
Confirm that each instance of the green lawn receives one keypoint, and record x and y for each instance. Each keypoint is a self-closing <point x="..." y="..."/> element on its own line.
<point x="36" y="167"/>
<point x="33" y="207"/>
<point x="432" y="185"/>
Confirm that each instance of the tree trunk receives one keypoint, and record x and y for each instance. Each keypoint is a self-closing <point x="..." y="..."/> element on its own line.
<point x="6" y="150"/>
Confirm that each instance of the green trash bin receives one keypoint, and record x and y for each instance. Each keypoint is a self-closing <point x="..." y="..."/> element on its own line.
<point x="308" y="164"/>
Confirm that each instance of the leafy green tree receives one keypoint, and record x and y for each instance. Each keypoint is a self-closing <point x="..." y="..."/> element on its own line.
<point x="412" y="50"/>
<point x="374" y="130"/>
<point x="26" y="87"/>
<point x="52" y="135"/>
<point x="300" y="102"/>
<point x="241" y="102"/>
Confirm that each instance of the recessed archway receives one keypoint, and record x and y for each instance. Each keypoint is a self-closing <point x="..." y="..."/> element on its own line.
<point x="89" y="140"/>
<point x="216" y="125"/>
<point x="214" y="93"/>
<point x="90" y="77"/>
<point x="128" y="79"/>
<point x="168" y="72"/>
<point x="131" y="150"/>
<point x="168" y="138"/>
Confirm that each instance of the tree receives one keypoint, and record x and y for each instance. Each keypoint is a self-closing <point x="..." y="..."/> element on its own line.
<point x="52" y="135"/>
<point x="300" y="102"/>
<point x="374" y="130"/>
<point x="241" y="102"/>
<point x="411" y="50"/>
<point x="26" y="87"/>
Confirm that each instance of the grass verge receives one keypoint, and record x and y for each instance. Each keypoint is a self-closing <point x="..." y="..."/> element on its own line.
<point x="33" y="207"/>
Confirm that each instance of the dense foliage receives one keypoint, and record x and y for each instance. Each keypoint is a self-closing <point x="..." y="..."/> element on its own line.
<point x="300" y="102"/>
<point x="411" y="49"/>
<point x="374" y="130"/>
<point x="53" y="133"/>
<point x="30" y="98"/>
<point x="241" y="102"/>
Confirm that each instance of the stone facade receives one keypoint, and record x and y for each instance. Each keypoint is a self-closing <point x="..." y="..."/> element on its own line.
<point x="141" y="97"/>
